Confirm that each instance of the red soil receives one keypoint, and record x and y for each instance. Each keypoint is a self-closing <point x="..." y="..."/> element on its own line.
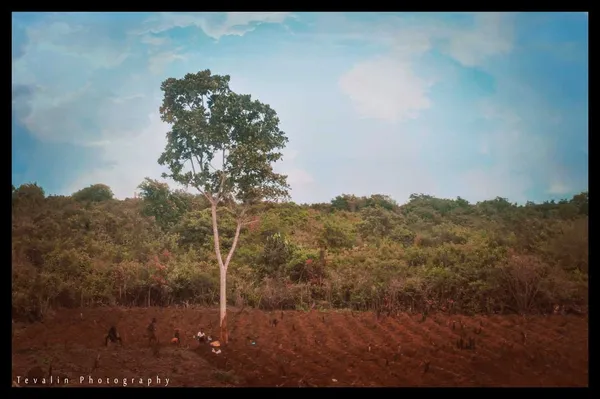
<point x="306" y="349"/>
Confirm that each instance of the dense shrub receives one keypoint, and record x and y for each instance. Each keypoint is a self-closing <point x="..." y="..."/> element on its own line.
<point x="430" y="254"/>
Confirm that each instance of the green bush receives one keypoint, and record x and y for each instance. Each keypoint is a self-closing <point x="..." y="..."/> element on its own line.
<point x="430" y="254"/>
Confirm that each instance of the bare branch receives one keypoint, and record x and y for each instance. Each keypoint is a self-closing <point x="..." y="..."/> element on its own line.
<point x="238" y="228"/>
<point x="216" y="234"/>
<point x="213" y="168"/>
<point x="195" y="185"/>
<point x="223" y="175"/>
<point x="222" y="185"/>
<point x="199" y="162"/>
<point x="193" y="168"/>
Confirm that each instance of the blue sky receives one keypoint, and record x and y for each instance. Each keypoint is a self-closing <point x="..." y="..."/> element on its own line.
<point x="476" y="105"/>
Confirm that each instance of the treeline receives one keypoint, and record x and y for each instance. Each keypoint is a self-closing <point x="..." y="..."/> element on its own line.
<point x="430" y="254"/>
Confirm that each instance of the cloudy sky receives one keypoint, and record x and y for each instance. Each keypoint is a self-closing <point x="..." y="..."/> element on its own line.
<point x="470" y="105"/>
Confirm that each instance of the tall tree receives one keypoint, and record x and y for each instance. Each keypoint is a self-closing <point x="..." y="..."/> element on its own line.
<point x="223" y="144"/>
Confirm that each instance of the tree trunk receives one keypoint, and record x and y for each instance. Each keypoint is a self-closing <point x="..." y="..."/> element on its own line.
<point x="222" y="276"/>
<point x="223" y="305"/>
<point x="224" y="336"/>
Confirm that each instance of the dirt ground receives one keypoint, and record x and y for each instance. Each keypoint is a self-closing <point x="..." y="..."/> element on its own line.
<point x="303" y="349"/>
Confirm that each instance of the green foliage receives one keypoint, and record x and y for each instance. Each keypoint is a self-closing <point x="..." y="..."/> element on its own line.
<point x="346" y="202"/>
<point x="271" y="223"/>
<point x="276" y="253"/>
<point x="195" y="230"/>
<point x="581" y="202"/>
<point x="382" y="201"/>
<point x="303" y="265"/>
<point x="94" y="193"/>
<point x="27" y="196"/>
<point x="228" y="139"/>
<point x="166" y="206"/>
<point x="30" y="191"/>
<point x="337" y="234"/>
<point x="352" y="203"/>
<point x="378" y="222"/>
<point x="427" y="255"/>
<point x="193" y="281"/>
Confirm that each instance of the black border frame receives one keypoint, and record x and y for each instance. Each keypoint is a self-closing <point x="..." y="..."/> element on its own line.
<point x="371" y="6"/>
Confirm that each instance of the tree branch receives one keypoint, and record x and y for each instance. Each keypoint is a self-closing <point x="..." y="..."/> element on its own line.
<point x="238" y="229"/>
<point x="213" y="168"/>
<point x="198" y="188"/>
<point x="223" y="176"/>
<point x="213" y="209"/>
<point x="199" y="163"/>
<point x="193" y="168"/>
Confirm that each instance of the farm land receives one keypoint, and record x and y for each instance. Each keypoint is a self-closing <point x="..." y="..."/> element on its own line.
<point x="310" y="349"/>
<point x="386" y="305"/>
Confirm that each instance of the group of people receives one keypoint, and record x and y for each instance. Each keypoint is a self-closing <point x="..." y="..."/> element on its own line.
<point x="114" y="336"/>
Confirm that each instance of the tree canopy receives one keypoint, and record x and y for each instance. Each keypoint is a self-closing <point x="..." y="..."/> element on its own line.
<point x="227" y="140"/>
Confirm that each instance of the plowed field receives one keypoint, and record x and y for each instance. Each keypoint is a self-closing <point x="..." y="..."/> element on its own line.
<point x="304" y="349"/>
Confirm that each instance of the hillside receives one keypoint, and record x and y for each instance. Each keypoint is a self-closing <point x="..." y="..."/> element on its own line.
<point x="429" y="254"/>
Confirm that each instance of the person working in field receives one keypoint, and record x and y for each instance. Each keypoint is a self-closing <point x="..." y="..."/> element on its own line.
<point x="151" y="331"/>
<point x="112" y="336"/>
<point x="201" y="337"/>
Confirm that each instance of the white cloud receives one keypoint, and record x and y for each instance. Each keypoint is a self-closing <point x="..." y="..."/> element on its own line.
<point x="89" y="113"/>
<point x="158" y="62"/>
<point x="519" y="152"/>
<point x="153" y="40"/>
<point x="102" y="143"/>
<point x="491" y="34"/>
<point x="80" y="97"/>
<point x="129" y="160"/>
<point x="559" y="188"/>
<point x="289" y="155"/>
<point x="301" y="182"/>
<point x="484" y="148"/>
<point x="507" y="116"/>
<point x="299" y="177"/>
<point x="70" y="101"/>
<point x="124" y="99"/>
<point x="92" y="43"/>
<point x="481" y="185"/>
<point x="386" y="89"/>
<point x="520" y="157"/>
<point x="233" y="23"/>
